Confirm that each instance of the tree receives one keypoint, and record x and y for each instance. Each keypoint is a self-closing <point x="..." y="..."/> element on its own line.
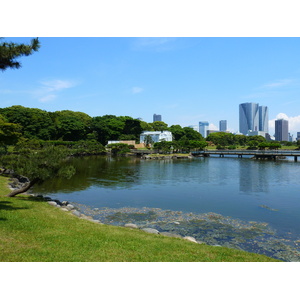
<point x="118" y="148"/>
<point x="177" y="132"/>
<point x="192" y="134"/>
<point x="9" y="133"/>
<point x="35" y="123"/>
<point x="159" y="126"/>
<point x="9" y="52"/>
<point x="38" y="166"/>
<point x="148" y="141"/>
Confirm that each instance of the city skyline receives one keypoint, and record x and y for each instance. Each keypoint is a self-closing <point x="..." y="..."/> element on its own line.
<point x="186" y="80"/>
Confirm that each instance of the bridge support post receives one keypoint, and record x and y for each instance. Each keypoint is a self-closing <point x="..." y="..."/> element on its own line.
<point x="295" y="158"/>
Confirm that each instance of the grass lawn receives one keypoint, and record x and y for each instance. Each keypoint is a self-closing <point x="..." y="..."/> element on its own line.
<point x="31" y="230"/>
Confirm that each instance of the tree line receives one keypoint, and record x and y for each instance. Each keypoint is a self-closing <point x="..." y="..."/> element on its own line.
<point x="18" y="123"/>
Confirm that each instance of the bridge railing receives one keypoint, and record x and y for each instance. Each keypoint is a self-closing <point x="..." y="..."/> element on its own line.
<point x="250" y="152"/>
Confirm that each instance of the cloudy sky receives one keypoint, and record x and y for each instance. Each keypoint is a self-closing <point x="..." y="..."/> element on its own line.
<point x="186" y="80"/>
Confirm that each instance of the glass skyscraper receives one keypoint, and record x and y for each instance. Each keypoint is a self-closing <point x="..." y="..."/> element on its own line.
<point x="281" y="130"/>
<point x="253" y="117"/>
<point x="203" y="126"/>
<point x="249" y="117"/>
<point x="223" y="125"/>
<point x="263" y="119"/>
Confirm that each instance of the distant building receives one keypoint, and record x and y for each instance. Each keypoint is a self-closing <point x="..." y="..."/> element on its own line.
<point x="253" y="117"/>
<point x="156" y="118"/>
<point x="298" y="136"/>
<point x="157" y="136"/>
<point x="203" y="127"/>
<point x="290" y="137"/>
<point x="263" y="118"/>
<point x="248" y="117"/>
<point x="281" y="130"/>
<point x="223" y="125"/>
<point x="261" y="133"/>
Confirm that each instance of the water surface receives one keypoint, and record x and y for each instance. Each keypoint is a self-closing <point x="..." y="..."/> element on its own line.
<point x="238" y="188"/>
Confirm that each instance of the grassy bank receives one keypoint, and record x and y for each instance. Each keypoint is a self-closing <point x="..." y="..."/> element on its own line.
<point x="32" y="230"/>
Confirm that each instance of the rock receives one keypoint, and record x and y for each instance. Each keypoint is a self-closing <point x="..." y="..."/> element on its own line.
<point x="190" y="238"/>
<point x="64" y="209"/>
<point x="170" y="234"/>
<point x="65" y="203"/>
<point x="53" y="203"/>
<point x="96" y="221"/>
<point x="176" y="223"/>
<point x="130" y="225"/>
<point x="76" y="213"/>
<point x="70" y="207"/>
<point x="150" y="230"/>
<point x="86" y="217"/>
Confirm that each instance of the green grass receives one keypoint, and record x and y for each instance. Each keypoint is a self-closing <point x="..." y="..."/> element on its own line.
<point x="32" y="230"/>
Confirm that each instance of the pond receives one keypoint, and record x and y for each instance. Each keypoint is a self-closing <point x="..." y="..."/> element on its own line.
<point x="241" y="203"/>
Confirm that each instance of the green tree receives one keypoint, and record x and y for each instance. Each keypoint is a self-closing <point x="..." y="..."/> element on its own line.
<point x="35" y="123"/>
<point x="38" y="166"/>
<point x="9" y="133"/>
<point x="118" y="148"/>
<point x="9" y="52"/>
<point x="159" y="126"/>
<point x="198" y="145"/>
<point x="192" y="134"/>
<point x="71" y="125"/>
<point x="177" y="132"/>
<point x="222" y="138"/>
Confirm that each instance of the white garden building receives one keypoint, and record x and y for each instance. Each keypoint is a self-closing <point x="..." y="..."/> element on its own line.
<point x="157" y="136"/>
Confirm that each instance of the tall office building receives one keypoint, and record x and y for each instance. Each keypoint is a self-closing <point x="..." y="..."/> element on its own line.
<point x="203" y="126"/>
<point x="281" y="130"/>
<point x="263" y="118"/>
<point x="223" y="125"/>
<point x="249" y="117"/>
<point x="156" y="118"/>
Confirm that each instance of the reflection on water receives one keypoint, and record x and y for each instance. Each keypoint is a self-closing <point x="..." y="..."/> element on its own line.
<point x="250" y="190"/>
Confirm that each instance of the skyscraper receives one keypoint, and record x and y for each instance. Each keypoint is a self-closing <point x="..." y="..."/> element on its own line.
<point x="203" y="126"/>
<point x="263" y="118"/>
<point x="281" y="130"/>
<point x="249" y="117"/>
<point x="156" y="118"/>
<point x="223" y="125"/>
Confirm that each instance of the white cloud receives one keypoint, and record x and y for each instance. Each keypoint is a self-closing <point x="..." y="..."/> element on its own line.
<point x="294" y="122"/>
<point x="57" y="85"/>
<point x="136" y="90"/>
<point x="48" y="91"/>
<point x="278" y="83"/>
<point x="212" y="126"/>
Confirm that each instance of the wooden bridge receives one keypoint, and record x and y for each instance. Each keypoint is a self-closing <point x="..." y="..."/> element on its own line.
<point x="258" y="154"/>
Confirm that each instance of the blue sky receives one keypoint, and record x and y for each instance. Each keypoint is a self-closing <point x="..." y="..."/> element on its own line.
<point x="186" y="80"/>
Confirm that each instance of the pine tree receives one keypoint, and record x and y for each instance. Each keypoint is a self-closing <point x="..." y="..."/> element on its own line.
<point x="9" y="52"/>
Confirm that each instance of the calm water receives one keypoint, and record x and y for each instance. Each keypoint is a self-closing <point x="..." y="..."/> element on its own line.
<point x="246" y="189"/>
